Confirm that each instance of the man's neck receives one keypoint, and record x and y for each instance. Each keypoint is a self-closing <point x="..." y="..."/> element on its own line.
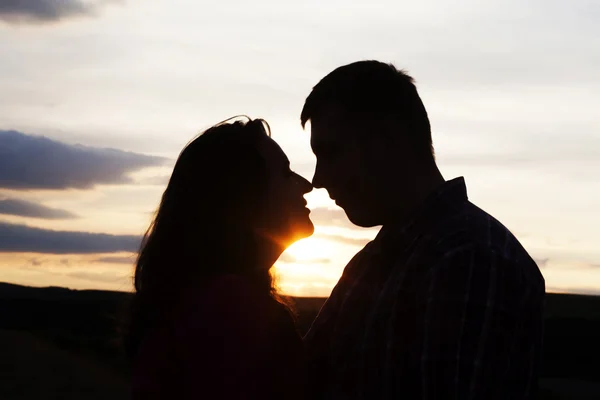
<point x="404" y="201"/>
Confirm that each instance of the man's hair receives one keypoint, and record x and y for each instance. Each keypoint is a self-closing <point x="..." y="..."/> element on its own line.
<point x="371" y="90"/>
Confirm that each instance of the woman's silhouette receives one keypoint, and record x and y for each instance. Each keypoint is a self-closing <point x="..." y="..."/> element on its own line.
<point x="206" y="321"/>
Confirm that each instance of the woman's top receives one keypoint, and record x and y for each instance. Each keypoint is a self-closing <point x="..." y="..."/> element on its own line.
<point x="229" y="340"/>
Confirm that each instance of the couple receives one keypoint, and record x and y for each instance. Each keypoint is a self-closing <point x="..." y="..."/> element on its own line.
<point x="443" y="304"/>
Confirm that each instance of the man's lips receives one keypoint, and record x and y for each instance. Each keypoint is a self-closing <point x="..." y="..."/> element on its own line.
<point x="334" y="193"/>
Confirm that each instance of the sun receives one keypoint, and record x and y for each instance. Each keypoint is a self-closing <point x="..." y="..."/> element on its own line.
<point x="309" y="249"/>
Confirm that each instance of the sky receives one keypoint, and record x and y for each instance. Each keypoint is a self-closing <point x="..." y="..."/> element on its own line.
<point x="97" y="98"/>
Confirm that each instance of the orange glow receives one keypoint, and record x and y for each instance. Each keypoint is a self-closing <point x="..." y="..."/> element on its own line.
<point x="309" y="249"/>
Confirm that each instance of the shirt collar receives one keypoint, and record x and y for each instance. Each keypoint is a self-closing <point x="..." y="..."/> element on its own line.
<point x="448" y="195"/>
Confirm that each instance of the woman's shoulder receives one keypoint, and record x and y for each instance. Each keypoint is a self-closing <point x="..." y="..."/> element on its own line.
<point x="227" y="300"/>
<point x="227" y="291"/>
<point x="228" y="285"/>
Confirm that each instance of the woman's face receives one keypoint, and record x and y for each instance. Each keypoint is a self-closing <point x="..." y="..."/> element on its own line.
<point x="286" y="217"/>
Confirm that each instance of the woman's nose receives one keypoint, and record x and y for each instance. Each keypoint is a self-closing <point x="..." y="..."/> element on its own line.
<point x="305" y="185"/>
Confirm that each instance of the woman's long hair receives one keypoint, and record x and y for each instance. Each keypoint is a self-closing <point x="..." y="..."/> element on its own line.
<point x="203" y="226"/>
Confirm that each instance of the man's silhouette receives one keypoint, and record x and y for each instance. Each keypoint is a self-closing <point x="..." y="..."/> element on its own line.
<point x="445" y="303"/>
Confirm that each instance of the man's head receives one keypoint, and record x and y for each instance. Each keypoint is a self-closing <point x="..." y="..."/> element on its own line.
<point x="370" y="132"/>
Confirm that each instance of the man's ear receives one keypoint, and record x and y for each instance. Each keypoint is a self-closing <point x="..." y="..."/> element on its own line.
<point x="390" y="131"/>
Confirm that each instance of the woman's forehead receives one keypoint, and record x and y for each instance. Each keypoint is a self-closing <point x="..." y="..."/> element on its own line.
<point x="272" y="152"/>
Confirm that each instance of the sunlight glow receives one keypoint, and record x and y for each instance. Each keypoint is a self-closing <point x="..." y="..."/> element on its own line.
<point x="309" y="249"/>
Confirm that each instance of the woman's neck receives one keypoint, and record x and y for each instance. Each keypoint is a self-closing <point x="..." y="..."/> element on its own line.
<point x="269" y="251"/>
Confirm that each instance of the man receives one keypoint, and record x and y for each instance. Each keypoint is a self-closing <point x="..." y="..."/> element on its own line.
<point x="445" y="303"/>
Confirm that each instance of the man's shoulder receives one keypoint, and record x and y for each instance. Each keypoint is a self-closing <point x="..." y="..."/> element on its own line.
<point x="472" y="230"/>
<point x="470" y="226"/>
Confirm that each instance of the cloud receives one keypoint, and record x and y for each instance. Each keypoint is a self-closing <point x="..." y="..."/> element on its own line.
<point x="37" y="162"/>
<point x="505" y="143"/>
<point x="334" y="217"/>
<point x="36" y="262"/>
<point x="573" y="290"/>
<point x="25" y="208"/>
<point x="330" y="216"/>
<point x="105" y="276"/>
<point x="44" y="11"/>
<point x="160" y="180"/>
<point x="115" y="260"/>
<point x="343" y="239"/>
<point x="24" y="239"/>
<point x="290" y="259"/>
<point x="287" y="258"/>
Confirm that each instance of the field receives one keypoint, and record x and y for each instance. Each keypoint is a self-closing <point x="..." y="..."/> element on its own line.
<point x="61" y="344"/>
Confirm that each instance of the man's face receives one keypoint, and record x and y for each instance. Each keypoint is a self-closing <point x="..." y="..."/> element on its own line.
<point x="347" y="165"/>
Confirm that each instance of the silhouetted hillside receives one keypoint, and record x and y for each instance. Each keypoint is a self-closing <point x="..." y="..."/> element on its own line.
<point x="84" y="325"/>
<point x="85" y="322"/>
<point x="33" y="368"/>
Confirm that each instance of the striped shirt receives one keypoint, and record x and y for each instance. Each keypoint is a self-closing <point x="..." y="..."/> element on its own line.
<point x="447" y="305"/>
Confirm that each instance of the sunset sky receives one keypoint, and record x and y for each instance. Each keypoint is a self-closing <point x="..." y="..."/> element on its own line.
<point x="97" y="98"/>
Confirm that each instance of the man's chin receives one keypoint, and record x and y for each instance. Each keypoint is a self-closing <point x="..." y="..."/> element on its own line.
<point x="361" y="220"/>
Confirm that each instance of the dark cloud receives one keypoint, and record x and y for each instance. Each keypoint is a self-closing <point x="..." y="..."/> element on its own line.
<point x="37" y="162"/>
<point x="23" y="208"/>
<point x="21" y="238"/>
<point x="43" y="11"/>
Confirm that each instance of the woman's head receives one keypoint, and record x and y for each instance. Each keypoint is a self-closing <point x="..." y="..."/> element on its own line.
<point x="231" y="194"/>
<point x="232" y="205"/>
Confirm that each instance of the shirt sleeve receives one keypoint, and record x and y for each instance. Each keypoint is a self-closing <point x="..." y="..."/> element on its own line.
<point x="473" y="315"/>
<point x="317" y="339"/>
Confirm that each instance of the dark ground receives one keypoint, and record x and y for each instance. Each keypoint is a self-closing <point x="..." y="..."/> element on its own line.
<point x="62" y="344"/>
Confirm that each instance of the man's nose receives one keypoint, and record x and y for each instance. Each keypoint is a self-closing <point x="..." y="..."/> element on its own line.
<point x="317" y="180"/>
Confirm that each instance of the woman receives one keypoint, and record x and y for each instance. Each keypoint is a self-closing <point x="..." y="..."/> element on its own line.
<point x="206" y="321"/>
